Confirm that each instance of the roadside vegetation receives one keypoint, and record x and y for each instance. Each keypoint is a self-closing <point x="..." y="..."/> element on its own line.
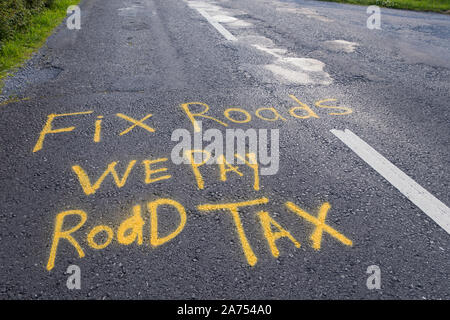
<point x="24" y="27"/>
<point x="442" y="6"/>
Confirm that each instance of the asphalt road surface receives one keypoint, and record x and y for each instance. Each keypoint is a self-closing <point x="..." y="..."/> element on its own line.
<point x="364" y="183"/>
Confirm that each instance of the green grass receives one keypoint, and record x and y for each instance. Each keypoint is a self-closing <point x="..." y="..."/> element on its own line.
<point x="418" y="5"/>
<point x="15" y="51"/>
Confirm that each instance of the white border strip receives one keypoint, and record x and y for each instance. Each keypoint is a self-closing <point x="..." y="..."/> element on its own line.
<point x="429" y="204"/>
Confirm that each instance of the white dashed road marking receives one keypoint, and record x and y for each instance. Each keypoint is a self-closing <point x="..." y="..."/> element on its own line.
<point x="284" y="68"/>
<point x="341" y="45"/>
<point x="130" y="11"/>
<point x="429" y="204"/>
<point x="217" y="25"/>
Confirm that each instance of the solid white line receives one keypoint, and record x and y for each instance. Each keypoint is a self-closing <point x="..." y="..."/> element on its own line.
<point x="429" y="204"/>
<point x="217" y="25"/>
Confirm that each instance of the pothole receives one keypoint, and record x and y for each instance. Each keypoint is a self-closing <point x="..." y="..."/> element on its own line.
<point x="135" y="26"/>
<point x="28" y="76"/>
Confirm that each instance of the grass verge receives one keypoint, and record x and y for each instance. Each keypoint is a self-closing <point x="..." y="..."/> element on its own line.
<point x="15" y="51"/>
<point x="442" y="6"/>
